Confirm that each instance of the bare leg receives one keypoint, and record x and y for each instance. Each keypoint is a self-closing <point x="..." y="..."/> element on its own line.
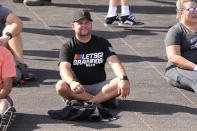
<point x="4" y="105"/>
<point x="124" y="2"/>
<point x="64" y="90"/>
<point x="15" y="45"/>
<point x="108" y="92"/>
<point x="114" y="3"/>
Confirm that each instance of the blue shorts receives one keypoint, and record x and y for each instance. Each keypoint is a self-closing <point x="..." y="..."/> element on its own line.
<point x="9" y="100"/>
<point x="95" y="88"/>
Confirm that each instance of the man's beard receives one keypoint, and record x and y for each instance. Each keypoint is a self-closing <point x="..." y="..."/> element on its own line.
<point x="84" y="34"/>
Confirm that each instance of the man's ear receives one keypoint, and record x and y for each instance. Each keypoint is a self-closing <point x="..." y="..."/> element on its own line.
<point x="73" y="26"/>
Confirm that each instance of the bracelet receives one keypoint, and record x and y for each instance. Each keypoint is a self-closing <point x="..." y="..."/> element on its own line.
<point x="195" y="68"/>
<point x="71" y="82"/>
<point x="9" y="34"/>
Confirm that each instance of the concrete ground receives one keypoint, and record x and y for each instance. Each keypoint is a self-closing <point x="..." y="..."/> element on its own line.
<point x="153" y="105"/>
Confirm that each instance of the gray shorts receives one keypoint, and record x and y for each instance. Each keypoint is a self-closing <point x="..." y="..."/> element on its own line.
<point x="9" y="100"/>
<point x="95" y="88"/>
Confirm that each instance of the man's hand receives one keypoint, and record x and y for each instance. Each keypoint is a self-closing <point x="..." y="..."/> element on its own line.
<point x="76" y="87"/>
<point x="124" y="88"/>
<point x="4" y="40"/>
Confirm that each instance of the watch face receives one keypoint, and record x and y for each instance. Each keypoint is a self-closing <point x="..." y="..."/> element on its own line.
<point x="9" y="34"/>
<point x="124" y="78"/>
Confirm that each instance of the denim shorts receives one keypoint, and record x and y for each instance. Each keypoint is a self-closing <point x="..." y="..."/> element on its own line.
<point x="9" y="100"/>
<point x="95" y="88"/>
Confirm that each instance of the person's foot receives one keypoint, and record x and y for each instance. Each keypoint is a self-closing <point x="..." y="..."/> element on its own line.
<point x="112" y="103"/>
<point x="26" y="73"/>
<point x="129" y="20"/>
<point x="7" y="118"/>
<point x="37" y="2"/>
<point x="66" y="101"/>
<point x="110" y="21"/>
<point x="18" y="1"/>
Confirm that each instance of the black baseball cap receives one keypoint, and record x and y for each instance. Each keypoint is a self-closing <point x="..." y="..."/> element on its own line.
<point x="79" y="14"/>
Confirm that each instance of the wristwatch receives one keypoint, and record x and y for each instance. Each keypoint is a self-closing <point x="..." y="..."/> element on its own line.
<point x="9" y="34"/>
<point x="124" y="78"/>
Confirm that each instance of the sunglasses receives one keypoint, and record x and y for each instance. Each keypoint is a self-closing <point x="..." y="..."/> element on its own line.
<point x="191" y="10"/>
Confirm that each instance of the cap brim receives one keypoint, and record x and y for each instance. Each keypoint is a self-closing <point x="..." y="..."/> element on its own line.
<point x="82" y="18"/>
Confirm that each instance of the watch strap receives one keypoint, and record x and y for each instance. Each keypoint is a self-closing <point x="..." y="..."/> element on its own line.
<point x="9" y="34"/>
<point x="124" y="78"/>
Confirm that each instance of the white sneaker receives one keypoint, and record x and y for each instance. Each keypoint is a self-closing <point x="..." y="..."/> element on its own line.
<point x="7" y="118"/>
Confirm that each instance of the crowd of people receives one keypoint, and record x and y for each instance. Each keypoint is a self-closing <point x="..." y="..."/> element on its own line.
<point x="82" y="58"/>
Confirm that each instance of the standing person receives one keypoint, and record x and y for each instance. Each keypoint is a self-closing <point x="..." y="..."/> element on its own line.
<point x="82" y="65"/>
<point x="7" y="73"/>
<point x="126" y="17"/>
<point x="33" y="2"/>
<point x="10" y="38"/>
<point x="181" y="47"/>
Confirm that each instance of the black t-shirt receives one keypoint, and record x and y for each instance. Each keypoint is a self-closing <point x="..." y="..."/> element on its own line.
<point x="87" y="59"/>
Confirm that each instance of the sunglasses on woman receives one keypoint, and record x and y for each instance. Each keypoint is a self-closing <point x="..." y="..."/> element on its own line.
<point x="191" y="10"/>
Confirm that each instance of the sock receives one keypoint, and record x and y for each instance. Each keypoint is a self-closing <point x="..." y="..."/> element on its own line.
<point x="112" y="11"/>
<point x="125" y="10"/>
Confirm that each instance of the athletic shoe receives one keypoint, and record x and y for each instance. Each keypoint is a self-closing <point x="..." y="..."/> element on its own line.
<point x="26" y="73"/>
<point x="37" y="2"/>
<point x="66" y="101"/>
<point x="112" y="103"/>
<point x="7" y="118"/>
<point x="110" y="21"/>
<point x="129" y="20"/>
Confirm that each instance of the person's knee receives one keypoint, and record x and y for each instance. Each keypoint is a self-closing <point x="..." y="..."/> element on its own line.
<point x="4" y="104"/>
<point x="114" y="83"/>
<point x="61" y="87"/>
<point x="6" y="29"/>
<point x="112" y="86"/>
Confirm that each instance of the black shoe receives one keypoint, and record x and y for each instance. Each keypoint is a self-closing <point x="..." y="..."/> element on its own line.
<point x="18" y="1"/>
<point x="66" y="101"/>
<point x="7" y="118"/>
<point x="26" y="73"/>
<point x="112" y="20"/>
<point x="129" y="20"/>
<point x="112" y="103"/>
